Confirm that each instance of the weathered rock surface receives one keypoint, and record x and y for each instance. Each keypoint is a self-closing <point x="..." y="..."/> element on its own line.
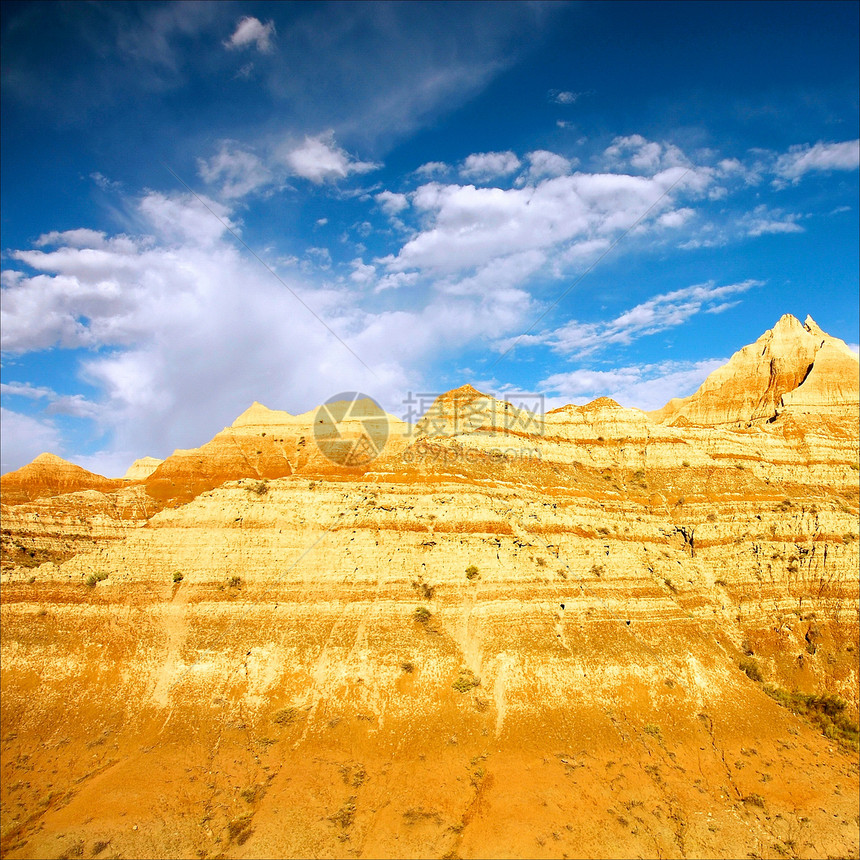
<point x="509" y="635"/>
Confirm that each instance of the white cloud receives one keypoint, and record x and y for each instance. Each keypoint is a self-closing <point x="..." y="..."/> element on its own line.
<point x="361" y="272"/>
<point x="543" y="163"/>
<point x="467" y="227"/>
<point x="239" y="171"/>
<point x="647" y="387"/>
<point x="24" y="438"/>
<point x="82" y="238"/>
<point x="483" y="166"/>
<point x="432" y="168"/>
<point x="854" y="347"/>
<point x="647" y="156"/>
<point x="676" y="218"/>
<point x="186" y="218"/>
<point x="196" y="331"/>
<point x="251" y="31"/>
<point x="563" y="97"/>
<point x="392" y="203"/>
<point x="319" y="159"/>
<point x="650" y="317"/>
<point x="820" y="156"/>
<point x="764" y="220"/>
<point x="58" y="404"/>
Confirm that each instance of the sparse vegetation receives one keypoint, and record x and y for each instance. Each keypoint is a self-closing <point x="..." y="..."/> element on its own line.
<point x="652" y="729"/>
<point x="465" y="681"/>
<point x="407" y="667"/>
<point x="750" y="667"/>
<point x="239" y="829"/>
<point x="826" y="711"/>
<point x="345" y="815"/>
<point x="427" y="590"/>
<point x="471" y="572"/>
<point x="95" y="578"/>
<point x="422" y="615"/>
<point x="285" y="716"/>
<point x="234" y="582"/>
<point x="597" y="570"/>
<point x="260" y="488"/>
<point x="177" y="576"/>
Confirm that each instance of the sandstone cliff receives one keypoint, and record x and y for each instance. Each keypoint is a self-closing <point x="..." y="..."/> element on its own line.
<point x="594" y="632"/>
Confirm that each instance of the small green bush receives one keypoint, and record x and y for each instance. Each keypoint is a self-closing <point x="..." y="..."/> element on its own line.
<point x="94" y="578"/>
<point x="177" y="576"/>
<point x="235" y="582"/>
<point x="471" y="571"/>
<point x="285" y="716"/>
<point x="751" y="669"/>
<point x="826" y="711"/>
<point x="422" y="615"/>
<point x="465" y="681"/>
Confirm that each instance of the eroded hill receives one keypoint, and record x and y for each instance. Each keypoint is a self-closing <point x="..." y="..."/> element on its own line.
<point x="596" y="632"/>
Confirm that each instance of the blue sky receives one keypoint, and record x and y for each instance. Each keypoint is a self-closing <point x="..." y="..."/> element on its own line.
<point x="209" y="204"/>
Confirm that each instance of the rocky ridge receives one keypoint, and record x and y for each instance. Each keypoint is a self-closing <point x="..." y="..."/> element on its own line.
<point x="509" y="634"/>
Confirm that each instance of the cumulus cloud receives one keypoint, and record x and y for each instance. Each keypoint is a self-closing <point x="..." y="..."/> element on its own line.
<point x="237" y="170"/>
<point x="392" y="203"/>
<point x="484" y="166"/>
<point x="659" y="313"/>
<point x="252" y="31"/>
<point x="185" y="333"/>
<point x="648" y="386"/>
<point x="24" y="438"/>
<point x="467" y="227"/>
<point x="647" y="156"/>
<point x="804" y="158"/>
<point x="319" y="159"/>
<point x="543" y="163"/>
<point x="81" y="238"/>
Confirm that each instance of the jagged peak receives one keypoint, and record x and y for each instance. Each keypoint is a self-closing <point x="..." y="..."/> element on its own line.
<point x="788" y="325"/>
<point x="812" y="327"/>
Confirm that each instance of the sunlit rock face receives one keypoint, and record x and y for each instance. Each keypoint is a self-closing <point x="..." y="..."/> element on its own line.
<point x="509" y="635"/>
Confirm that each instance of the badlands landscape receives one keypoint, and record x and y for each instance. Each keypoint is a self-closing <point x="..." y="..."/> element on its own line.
<point x="598" y="632"/>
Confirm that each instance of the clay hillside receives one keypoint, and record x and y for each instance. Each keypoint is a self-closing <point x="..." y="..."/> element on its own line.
<point x="599" y="632"/>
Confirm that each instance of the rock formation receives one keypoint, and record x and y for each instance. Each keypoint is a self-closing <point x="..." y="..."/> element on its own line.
<point x="790" y="366"/>
<point x="597" y="632"/>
